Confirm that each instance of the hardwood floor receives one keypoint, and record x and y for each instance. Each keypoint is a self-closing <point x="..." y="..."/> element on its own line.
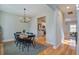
<point x="63" y="49"/>
<point x="41" y="40"/>
<point x="1" y="49"/>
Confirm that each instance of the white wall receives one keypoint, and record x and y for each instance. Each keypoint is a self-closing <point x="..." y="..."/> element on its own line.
<point x="11" y="24"/>
<point x="59" y="27"/>
<point x="51" y="28"/>
<point x="78" y="32"/>
<point x="55" y="31"/>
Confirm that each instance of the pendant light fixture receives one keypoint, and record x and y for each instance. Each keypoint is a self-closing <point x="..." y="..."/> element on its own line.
<point x="25" y="19"/>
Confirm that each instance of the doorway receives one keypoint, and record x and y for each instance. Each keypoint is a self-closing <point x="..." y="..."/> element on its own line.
<point x="69" y="24"/>
<point x="41" y="25"/>
<point x="71" y="34"/>
<point x="41" y="29"/>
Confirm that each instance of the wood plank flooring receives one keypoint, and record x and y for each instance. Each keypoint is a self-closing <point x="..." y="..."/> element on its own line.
<point x="63" y="49"/>
<point x="1" y="49"/>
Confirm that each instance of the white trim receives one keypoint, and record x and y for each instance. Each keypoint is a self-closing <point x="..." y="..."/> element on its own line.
<point x="7" y="40"/>
<point x="54" y="45"/>
<point x="77" y="6"/>
<point x="49" y="42"/>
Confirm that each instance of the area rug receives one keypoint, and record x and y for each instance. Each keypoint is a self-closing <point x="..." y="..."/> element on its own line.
<point x="11" y="49"/>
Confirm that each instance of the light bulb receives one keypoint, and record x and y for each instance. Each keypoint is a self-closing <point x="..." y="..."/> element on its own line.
<point x="67" y="7"/>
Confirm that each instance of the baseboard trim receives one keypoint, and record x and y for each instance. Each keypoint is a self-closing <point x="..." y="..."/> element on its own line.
<point x="55" y="47"/>
<point x="8" y="40"/>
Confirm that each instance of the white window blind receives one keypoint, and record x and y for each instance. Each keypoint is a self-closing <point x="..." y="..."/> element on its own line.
<point x="73" y="28"/>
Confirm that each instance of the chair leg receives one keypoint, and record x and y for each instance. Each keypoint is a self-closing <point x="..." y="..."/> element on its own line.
<point x="33" y="44"/>
<point x="28" y="47"/>
<point x="19" y="45"/>
<point x="16" y="44"/>
<point x="22" y="48"/>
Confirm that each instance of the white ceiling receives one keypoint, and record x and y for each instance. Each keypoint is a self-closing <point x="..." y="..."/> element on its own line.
<point x="18" y="9"/>
<point x="72" y="7"/>
<point x="62" y="7"/>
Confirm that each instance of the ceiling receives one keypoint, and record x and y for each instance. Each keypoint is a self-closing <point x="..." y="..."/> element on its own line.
<point x="63" y="7"/>
<point x="36" y="9"/>
<point x="69" y="11"/>
<point x="18" y="9"/>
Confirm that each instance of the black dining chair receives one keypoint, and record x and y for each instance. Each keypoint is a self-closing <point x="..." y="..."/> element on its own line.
<point x="29" y="42"/>
<point x="32" y="37"/>
<point x="18" y="33"/>
<point x="18" y="40"/>
<point x="25" y="42"/>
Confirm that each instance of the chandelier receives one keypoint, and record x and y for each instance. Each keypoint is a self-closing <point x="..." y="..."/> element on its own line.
<point x="25" y="19"/>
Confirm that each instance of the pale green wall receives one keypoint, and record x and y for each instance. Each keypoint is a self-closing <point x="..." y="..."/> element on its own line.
<point x="11" y="24"/>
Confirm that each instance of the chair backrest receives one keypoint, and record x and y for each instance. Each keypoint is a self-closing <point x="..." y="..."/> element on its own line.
<point x="32" y="37"/>
<point x="29" y="33"/>
<point x="16" y="35"/>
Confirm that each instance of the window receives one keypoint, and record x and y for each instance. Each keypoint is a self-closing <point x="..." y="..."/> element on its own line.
<point x="73" y="28"/>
